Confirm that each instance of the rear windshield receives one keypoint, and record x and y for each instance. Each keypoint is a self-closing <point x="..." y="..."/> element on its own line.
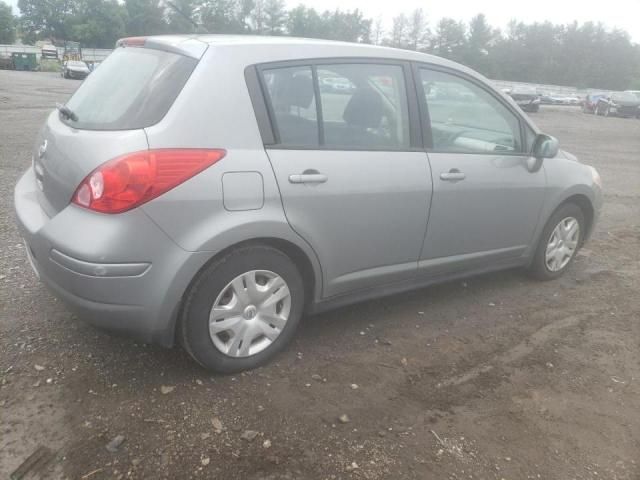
<point x="133" y="88"/>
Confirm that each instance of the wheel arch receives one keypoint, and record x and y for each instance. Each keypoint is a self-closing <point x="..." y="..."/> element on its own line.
<point x="309" y="269"/>
<point x="579" y="196"/>
<point x="584" y="203"/>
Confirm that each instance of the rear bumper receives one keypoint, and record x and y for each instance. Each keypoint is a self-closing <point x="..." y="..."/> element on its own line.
<point x="118" y="272"/>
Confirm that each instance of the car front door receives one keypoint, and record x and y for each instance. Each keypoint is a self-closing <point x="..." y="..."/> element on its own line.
<point x="353" y="183"/>
<point x="486" y="197"/>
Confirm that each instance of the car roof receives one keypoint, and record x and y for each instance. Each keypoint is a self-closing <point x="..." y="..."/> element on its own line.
<point x="298" y="48"/>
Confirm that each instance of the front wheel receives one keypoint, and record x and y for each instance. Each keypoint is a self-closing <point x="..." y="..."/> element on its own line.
<point x="242" y="309"/>
<point x="559" y="243"/>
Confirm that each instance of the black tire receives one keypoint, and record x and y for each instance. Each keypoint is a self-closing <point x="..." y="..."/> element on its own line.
<point x="538" y="268"/>
<point x="194" y="320"/>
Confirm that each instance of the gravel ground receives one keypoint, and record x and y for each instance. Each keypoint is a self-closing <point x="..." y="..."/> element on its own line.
<point x="497" y="377"/>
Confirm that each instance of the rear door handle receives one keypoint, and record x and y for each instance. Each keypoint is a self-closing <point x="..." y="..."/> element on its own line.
<point x="453" y="175"/>
<point x="308" y="176"/>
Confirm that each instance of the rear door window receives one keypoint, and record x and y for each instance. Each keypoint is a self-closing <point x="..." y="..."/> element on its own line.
<point x="354" y="106"/>
<point x="293" y="103"/>
<point x="364" y="106"/>
<point x="133" y="88"/>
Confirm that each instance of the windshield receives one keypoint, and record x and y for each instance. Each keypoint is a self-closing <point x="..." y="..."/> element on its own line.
<point x="76" y="64"/>
<point x="132" y="89"/>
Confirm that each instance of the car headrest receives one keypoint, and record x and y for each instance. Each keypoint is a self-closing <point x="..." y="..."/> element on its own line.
<point x="365" y="109"/>
<point x="294" y="91"/>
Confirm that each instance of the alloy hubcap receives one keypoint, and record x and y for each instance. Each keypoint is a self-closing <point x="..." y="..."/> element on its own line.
<point x="562" y="244"/>
<point x="250" y="313"/>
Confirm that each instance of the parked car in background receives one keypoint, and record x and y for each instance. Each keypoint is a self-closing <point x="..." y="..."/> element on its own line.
<point x="637" y="94"/>
<point x="591" y="101"/>
<point x="526" y="98"/>
<point x="49" y="51"/>
<point x="336" y="84"/>
<point x="152" y="217"/>
<point x="75" y="69"/>
<point x="564" y="99"/>
<point x="546" y="98"/>
<point x="620" y="104"/>
<point x="574" y="100"/>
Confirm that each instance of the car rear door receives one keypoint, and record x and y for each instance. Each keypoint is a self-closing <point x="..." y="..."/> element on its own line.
<point x="486" y="197"/>
<point x="353" y="180"/>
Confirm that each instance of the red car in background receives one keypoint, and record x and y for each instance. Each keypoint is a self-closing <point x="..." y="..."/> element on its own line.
<point x="591" y="102"/>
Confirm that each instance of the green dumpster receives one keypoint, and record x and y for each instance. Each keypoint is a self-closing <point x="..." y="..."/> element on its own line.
<point x="24" y="61"/>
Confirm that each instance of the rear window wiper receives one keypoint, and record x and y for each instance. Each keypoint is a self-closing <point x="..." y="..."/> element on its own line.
<point x="67" y="112"/>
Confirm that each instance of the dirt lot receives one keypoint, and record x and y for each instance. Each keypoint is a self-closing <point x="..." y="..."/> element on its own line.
<point x="498" y="377"/>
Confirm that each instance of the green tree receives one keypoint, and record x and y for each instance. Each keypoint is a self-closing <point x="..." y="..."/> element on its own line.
<point x="418" y="31"/>
<point x="450" y="39"/>
<point x="7" y="24"/>
<point x="182" y="16"/>
<point x="244" y="9"/>
<point x="98" y="23"/>
<point x="306" y="22"/>
<point x="221" y="16"/>
<point x="45" y="19"/>
<point x="275" y="17"/>
<point x="348" y="26"/>
<point x="479" y="42"/>
<point x="145" y="17"/>
<point x="399" y="35"/>
<point x="377" y="32"/>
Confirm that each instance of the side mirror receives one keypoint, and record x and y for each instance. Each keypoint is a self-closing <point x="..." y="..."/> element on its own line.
<point x="545" y="146"/>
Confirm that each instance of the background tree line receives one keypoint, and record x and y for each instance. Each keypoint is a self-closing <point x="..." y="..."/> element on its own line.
<point x="585" y="55"/>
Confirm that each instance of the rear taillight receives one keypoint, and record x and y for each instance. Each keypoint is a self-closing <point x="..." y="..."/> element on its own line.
<point x="133" y="179"/>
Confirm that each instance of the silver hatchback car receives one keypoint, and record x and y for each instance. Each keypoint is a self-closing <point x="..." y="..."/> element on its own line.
<point x="210" y="190"/>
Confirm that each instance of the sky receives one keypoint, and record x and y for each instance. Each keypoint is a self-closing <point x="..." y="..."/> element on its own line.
<point x="624" y="14"/>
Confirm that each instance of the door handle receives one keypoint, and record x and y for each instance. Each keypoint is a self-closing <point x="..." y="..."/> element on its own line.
<point x="453" y="175"/>
<point x="308" y="176"/>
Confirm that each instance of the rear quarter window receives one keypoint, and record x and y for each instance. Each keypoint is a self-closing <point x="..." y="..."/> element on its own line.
<point x="133" y="88"/>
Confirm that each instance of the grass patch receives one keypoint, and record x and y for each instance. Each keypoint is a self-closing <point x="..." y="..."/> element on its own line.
<point x="49" y="65"/>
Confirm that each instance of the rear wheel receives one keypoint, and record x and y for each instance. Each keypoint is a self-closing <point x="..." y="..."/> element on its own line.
<point x="559" y="243"/>
<point x="242" y="309"/>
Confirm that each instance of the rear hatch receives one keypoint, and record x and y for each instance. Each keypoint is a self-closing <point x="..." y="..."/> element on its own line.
<point x="105" y="118"/>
